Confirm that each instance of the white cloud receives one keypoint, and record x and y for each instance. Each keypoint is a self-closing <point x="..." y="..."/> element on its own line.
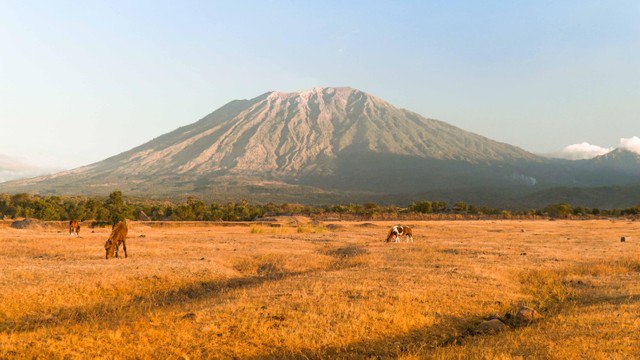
<point x="631" y="144"/>
<point x="582" y="151"/>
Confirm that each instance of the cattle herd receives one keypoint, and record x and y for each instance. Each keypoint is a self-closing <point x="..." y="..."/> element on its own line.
<point x="119" y="232"/>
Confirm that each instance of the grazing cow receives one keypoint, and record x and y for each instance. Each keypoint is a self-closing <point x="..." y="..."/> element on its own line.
<point x="397" y="231"/>
<point x="117" y="237"/>
<point x="74" y="228"/>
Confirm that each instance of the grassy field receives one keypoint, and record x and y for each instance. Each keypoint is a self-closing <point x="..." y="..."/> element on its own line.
<point x="323" y="291"/>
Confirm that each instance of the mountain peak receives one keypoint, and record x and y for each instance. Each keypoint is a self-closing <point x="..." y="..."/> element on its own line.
<point x="343" y="91"/>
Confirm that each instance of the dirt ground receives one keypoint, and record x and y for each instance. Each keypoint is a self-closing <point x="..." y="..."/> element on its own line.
<point x="333" y="290"/>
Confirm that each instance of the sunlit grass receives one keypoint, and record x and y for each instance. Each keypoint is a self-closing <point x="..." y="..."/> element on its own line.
<point x="279" y="292"/>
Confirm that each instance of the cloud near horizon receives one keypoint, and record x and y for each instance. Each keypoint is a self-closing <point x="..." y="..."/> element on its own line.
<point x="581" y="151"/>
<point x="632" y="144"/>
<point x="585" y="150"/>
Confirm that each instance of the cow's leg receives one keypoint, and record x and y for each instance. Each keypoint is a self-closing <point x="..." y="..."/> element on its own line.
<point x="124" y="247"/>
<point x="117" y="249"/>
<point x="106" y="254"/>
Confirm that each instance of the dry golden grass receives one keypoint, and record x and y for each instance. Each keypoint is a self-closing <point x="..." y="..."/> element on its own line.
<point x="260" y="292"/>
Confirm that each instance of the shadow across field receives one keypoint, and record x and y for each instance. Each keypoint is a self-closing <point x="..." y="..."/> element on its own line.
<point x="452" y="331"/>
<point x="432" y="336"/>
<point x="116" y="311"/>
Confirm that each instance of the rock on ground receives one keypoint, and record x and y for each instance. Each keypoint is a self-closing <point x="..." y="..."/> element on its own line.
<point x="490" y="327"/>
<point x="527" y="315"/>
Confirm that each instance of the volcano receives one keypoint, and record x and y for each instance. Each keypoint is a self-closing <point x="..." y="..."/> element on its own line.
<point x="320" y="145"/>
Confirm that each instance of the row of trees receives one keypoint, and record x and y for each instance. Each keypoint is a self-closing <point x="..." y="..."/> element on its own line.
<point x="114" y="208"/>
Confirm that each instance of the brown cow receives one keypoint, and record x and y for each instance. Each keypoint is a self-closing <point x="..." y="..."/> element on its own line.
<point x="74" y="228"/>
<point x="397" y="231"/>
<point x="117" y="237"/>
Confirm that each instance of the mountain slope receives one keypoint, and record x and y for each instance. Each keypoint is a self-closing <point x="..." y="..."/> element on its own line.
<point x="320" y="145"/>
<point x="300" y="133"/>
<point x="617" y="161"/>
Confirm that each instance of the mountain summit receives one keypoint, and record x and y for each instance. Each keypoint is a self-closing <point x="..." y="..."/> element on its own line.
<point x="296" y="134"/>
<point x="317" y="145"/>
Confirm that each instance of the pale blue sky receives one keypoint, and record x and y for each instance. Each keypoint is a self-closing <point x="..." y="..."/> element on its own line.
<point x="80" y="81"/>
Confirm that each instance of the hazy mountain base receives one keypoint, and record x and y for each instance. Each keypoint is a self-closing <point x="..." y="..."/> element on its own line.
<point x="381" y="178"/>
<point x="234" y="188"/>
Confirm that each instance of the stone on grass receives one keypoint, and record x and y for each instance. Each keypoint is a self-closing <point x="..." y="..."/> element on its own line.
<point x="490" y="327"/>
<point x="526" y="315"/>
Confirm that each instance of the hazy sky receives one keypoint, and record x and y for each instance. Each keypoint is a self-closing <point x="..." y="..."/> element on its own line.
<point x="80" y="81"/>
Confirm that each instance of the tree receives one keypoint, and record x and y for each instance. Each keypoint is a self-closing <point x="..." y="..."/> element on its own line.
<point x="562" y="210"/>
<point x="117" y="208"/>
<point x="424" y="207"/>
<point x="440" y="207"/>
<point x="460" y="206"/>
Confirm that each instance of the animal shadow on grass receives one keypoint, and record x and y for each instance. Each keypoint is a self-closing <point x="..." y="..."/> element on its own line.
<point x="107" y="311"/>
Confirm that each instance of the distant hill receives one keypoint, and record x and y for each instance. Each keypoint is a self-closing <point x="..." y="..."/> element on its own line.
<point x="617" y="161"/>
<point x="323" y="145"/>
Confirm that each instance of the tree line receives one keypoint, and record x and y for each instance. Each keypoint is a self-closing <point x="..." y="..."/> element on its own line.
<point x="116" y="207"/>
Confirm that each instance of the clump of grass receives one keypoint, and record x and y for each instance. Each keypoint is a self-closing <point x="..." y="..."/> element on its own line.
<point x="311" y="229"/>
<point x="260" y="229"/>
<point x="269" y="265"/>
<point x="550" y="289"/>
<point x="346" y="252"/>
<point x="347" y="257"/>
<point x="257" y="229"/>
<point x="608" y="268"/>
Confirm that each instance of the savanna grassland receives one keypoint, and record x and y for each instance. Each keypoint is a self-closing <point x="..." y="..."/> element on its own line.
<point x="332" y="290"/>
